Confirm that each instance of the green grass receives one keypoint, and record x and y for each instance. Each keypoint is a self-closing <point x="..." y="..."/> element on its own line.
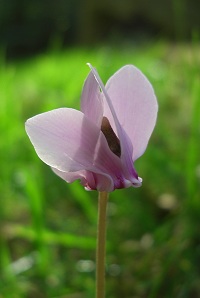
<point x="48" y="226"/>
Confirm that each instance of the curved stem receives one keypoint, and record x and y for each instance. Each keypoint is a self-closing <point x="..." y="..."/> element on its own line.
<point x="101" y="245"/>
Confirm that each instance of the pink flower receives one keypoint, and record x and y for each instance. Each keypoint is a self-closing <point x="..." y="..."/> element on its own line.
<point x="100" y="143"/>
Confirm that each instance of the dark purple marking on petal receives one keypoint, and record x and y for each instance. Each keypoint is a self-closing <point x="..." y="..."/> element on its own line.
<point x="112" y="139"/>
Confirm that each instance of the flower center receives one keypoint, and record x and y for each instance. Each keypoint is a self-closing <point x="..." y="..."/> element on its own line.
<point x="112" y="139"/>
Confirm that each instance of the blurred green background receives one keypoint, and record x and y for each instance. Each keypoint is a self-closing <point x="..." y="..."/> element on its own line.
<point x="48" y="227"/>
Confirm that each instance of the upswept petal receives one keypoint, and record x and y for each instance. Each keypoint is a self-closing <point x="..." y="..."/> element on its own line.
<point x="91" y="100"/>
<point x="64" y="139"/>
<point x="68" y="141"/>
<point x="125" y="143"/>
<point x="135" y="105"/>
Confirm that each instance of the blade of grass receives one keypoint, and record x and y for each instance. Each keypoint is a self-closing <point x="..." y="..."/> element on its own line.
<point x="35" y="195"/>
<point x="85" y="202"/>
<point x="52" y="238"/>
<point x="193" y="148"/>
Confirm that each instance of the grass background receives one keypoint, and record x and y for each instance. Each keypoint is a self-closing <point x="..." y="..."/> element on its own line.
<point x="48" y="227"/>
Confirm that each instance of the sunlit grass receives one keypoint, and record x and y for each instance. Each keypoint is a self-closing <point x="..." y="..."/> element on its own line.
<point x="149" y="238"/>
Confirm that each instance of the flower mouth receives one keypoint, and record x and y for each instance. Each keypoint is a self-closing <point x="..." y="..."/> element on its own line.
<point x="111" y="138"/>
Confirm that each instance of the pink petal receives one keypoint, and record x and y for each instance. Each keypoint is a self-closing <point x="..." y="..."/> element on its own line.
<point x="135" y="105"/>
<point x="64" y="138"/>
<point x="91" y="100"/>
<point x="68" y="141"/>
<point x="126" y="146"/>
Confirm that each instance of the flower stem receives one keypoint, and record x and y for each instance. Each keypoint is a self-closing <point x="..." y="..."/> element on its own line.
<point x="101" y="245"/>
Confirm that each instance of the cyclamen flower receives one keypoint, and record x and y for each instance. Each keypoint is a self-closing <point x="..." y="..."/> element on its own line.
<point x="99" y="144"/>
